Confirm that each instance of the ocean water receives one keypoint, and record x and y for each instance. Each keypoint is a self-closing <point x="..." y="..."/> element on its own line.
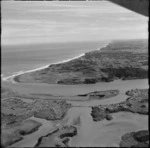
<point x="35" y="34"/>
<point x="16" y="58"/>
<point x="29" y="30"/>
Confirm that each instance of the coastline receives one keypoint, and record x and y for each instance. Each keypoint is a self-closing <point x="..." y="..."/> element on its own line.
<point x="11" y="77"/>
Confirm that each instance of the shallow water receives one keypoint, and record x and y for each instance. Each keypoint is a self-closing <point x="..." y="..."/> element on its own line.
<point x="70" y="90"/>
<point x="31" y="139"/>
<point x="104" y="133"/>
<point x="90" y="133"/>
<point x="23" y="23"/>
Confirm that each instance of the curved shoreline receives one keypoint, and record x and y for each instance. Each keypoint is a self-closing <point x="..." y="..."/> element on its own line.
<point x="11" y="77"/>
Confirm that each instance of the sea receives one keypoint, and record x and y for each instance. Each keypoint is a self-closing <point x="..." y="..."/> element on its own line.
<point x="19" y="58"/>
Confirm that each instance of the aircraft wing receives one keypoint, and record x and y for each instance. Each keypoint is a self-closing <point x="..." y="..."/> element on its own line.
<point x="139" y="6"/>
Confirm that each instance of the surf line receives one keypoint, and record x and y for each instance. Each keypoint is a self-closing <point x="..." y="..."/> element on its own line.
<point x="11" y="77"/>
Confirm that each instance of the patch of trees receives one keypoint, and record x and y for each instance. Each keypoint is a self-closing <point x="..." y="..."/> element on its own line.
<point x="127" y="72"/>
<point x="90" y="81"/>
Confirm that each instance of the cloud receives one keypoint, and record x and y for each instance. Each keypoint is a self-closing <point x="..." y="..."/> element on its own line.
<point x="58" y="22"/>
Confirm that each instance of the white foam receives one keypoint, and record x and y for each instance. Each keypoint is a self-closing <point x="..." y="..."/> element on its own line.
<point x="64" y="61"/>
<point x="11" y="78"/>
<point x="103" y="46"/>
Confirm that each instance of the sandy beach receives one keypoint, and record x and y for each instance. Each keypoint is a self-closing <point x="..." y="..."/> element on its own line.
<point x="11" y="77"/>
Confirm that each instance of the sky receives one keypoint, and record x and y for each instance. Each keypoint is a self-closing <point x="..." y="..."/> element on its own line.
<point x="50" y="22"/>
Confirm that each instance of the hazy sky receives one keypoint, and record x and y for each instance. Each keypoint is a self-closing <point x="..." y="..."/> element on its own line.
<point x="43" y="22"/>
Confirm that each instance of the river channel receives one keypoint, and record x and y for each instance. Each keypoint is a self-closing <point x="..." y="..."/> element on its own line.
<point x="90" y="133"/>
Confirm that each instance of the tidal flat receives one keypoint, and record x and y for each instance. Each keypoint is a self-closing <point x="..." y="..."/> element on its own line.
<point x="78" y="115"/>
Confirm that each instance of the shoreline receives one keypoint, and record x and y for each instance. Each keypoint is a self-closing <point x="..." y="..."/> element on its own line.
<point x="11" y="77"/>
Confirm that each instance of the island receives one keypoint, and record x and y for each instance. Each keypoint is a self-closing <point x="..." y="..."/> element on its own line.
<point x="136" y="103"/>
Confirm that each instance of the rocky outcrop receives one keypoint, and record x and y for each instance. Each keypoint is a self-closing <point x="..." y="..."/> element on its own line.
<point x="118" y="60"/>
<point x="135" y="139"/>
<point x="136" y="103"/>
<point x="58" y="138"/>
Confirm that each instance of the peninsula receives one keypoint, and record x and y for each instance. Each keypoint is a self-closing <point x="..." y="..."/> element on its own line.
<point x="124" y="59"/>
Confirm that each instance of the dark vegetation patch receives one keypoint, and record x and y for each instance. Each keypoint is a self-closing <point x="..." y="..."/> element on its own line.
<point x="118" y="60"/>
<point x="136" y="103"/>
<point x="135" y="139"/>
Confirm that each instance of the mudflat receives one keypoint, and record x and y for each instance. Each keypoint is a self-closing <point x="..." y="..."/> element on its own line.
<point x="15" y="115"/>
<point x="18" y="108"/>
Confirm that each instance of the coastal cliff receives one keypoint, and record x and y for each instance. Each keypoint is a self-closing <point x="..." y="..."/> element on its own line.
<point x="126" y="59"/>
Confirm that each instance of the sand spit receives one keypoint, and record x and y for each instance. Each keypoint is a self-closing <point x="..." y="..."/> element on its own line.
<point x="11" y="77"/>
